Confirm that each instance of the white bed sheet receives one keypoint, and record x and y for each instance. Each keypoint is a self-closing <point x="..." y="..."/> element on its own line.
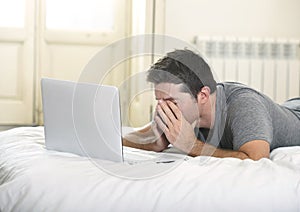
<point x="34" y="179"/>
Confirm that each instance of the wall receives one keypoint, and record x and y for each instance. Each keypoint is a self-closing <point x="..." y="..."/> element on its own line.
<point x="254" y="18"/>
<point x="259" y="22"/>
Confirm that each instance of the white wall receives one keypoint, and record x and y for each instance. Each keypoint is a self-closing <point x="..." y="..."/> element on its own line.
<point x="250" y="20"/>
<point x="245" y="18"/>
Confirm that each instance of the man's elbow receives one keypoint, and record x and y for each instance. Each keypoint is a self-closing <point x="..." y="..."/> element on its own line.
<point x="256" y="149"/>
<point x="253" y="156"/>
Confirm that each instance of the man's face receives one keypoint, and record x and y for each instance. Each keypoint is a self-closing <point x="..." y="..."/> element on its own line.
<point x="186" y="103"/>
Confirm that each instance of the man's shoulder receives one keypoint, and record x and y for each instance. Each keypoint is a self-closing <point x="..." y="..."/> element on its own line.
<point x="238" y="91"/>
<point x="231" y="87"/>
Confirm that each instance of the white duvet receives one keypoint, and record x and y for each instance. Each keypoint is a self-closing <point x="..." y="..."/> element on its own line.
<point x="34" y="179"/>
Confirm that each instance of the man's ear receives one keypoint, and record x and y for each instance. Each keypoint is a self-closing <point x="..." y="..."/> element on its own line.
<point x="203" y="95"/>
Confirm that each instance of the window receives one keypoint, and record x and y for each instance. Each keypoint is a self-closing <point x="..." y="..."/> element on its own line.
<point x="84" y="21"/>
<point x="91" y="15"/>
<point x="12" y="13"/>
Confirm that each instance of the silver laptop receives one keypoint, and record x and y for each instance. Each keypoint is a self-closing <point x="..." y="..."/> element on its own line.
<point x="82" y="118"/>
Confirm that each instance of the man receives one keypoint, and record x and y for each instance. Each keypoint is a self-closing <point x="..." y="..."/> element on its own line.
<point x="200" y="117"/>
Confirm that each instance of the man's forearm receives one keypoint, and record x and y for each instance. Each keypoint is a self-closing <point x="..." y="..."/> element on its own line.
<point x="146" y="146"/>
<point x="199" y="149"/>
<point x="204" y="149"/>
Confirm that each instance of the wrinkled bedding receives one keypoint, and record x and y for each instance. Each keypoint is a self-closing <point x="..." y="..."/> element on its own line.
<point x="35" y="179"/>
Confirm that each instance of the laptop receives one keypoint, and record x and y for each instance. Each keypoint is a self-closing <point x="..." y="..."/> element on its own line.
<point x="82" y="118"/>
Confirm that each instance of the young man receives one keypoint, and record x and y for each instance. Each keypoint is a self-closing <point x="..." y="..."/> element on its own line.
<point x="200" y="117"/>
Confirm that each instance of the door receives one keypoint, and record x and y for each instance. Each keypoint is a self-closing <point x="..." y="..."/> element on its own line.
<point x="17" y="52"/>
<point x="50" y="38"/>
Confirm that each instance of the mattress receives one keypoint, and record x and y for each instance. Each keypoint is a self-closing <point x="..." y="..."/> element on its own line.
<point x="35" y="179"/>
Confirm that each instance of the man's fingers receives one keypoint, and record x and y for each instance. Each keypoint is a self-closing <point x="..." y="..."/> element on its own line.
<point x="175" y="110"/>
<point x="167" y="110"/>
<point x="163" y="116"/>
<point x="161" y="124"/>
<point x="156" y="130"/>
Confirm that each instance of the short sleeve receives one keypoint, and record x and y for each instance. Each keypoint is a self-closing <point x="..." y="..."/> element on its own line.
<point x="249" y="119"/>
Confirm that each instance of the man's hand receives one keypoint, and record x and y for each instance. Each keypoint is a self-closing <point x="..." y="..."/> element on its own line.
<point x="160" y="138"/>
<point x="179" y="132"/>
<point x="150" y="137"/>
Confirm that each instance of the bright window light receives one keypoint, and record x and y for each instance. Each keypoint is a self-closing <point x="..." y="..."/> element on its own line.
<point x="12" y="13"/>
<point x="94" y="15"/>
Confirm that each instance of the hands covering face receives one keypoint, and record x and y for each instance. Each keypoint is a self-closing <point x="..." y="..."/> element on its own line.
<point x="178" y="131"/>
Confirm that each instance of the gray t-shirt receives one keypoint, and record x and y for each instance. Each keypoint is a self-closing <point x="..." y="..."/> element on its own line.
<point x="243" y="114"/>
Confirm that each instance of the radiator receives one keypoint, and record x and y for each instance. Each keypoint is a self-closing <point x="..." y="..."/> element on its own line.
<point x="271" y="66"/>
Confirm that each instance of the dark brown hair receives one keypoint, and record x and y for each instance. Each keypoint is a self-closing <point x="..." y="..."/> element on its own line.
<point x="183" y="66"/>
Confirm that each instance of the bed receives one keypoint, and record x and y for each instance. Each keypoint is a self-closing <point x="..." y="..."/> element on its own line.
<point x="35" y="179"/>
